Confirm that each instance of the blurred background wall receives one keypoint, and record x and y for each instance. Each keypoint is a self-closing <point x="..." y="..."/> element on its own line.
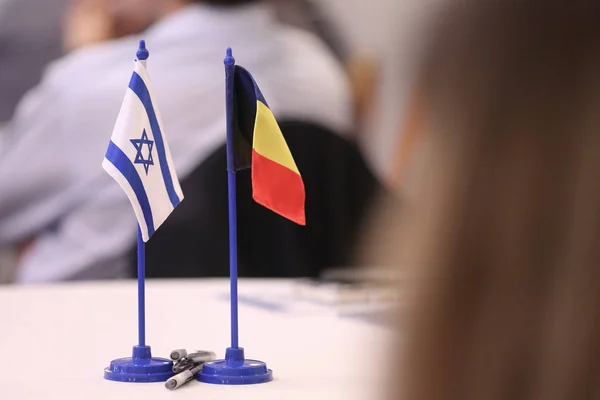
<point x="388" y="33"/>
<point x="22" y="25"/>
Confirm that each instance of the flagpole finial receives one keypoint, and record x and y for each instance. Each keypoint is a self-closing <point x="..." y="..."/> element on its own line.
<point x="142" y="53"/>
<point x="229" y="60"/>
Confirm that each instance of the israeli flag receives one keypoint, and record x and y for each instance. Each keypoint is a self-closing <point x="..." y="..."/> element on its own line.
<point x="138" y="156"/>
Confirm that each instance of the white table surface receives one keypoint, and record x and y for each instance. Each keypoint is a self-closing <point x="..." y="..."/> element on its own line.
<point x="56" y="340"/>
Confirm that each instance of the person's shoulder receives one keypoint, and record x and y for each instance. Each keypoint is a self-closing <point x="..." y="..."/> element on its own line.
<point x="88" y="84"/>
<point x="93" y="62"/>
<point x="307" y="45"/>
<point x="314" y="73"/>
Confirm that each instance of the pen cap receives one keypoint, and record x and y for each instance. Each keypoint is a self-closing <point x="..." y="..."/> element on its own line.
<point x="177" y="354"/>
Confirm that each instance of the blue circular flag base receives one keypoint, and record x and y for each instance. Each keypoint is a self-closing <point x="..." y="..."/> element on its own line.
<point x="142" y="367"/>
<point x="235" y="370"/>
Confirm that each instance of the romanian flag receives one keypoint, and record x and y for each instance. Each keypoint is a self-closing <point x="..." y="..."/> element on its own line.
<point x="258" y="143"/>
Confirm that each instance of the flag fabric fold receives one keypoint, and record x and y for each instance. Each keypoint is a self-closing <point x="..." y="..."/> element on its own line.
<point x="138" y="156"/>
<point x="260" y="144"/>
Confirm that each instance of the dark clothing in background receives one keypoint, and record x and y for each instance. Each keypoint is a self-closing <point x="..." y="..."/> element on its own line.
<point x="30" y="37"/>
<point x="340" y="190"/>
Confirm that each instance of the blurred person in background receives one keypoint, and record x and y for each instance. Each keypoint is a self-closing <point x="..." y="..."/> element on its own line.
<point x="501" y="247"/>
<point x="36" y="32"/>
<point x="68" y="219"/>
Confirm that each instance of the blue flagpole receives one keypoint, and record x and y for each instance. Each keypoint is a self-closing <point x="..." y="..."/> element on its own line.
<point x="141" y="269"/>
<point x="141" y="366"/>
<point x="235" y="368"/>
<point x="142" y="55"/>
<point x="233" y="267"/>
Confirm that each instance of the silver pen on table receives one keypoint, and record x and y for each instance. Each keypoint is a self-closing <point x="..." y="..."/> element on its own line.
<point x="190" y="360"/>
<point x="181" y="365"/>
<point x="178" y="354"/>
<point x="182" y="378"/>
<point x="201" y="356"/>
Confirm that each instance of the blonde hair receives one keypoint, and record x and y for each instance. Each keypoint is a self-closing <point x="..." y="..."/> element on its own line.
<point x="504" y="242"/>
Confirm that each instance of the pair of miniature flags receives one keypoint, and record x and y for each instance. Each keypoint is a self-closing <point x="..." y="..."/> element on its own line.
<point x="139" y="159"/>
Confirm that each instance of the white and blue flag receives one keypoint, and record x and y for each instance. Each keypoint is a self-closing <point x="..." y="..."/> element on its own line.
<point x="138" y="156"/>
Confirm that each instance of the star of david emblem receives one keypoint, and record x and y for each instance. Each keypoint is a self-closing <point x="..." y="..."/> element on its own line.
<point x="139" y="146"/>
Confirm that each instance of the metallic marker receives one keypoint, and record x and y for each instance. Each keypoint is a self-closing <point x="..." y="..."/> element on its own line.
<point x="182" y="378"/>
<point x="201" y="356"/>
<point x="178" y="354"/>
<point x="182" y="364"/>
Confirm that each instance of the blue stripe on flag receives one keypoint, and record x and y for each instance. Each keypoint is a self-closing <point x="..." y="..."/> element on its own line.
<point x="121" y="162"/>
<point x="139" y="88"/>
